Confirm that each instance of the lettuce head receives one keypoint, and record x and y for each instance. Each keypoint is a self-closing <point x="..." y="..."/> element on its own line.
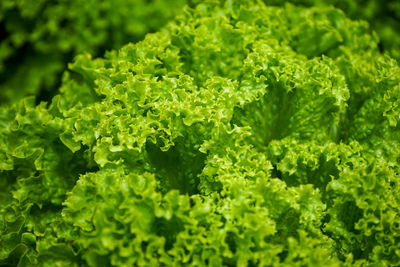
<point x="240" y="135"/>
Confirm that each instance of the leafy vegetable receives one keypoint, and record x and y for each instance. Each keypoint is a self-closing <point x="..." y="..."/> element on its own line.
<point x="240" y="135"/>
<point x="384" y="17"/>
<point x="39" y="38"/>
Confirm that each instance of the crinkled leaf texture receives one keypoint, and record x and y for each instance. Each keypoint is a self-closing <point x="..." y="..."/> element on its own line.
<point x="241" y="135"/>
<point x="39" y="37"/>
<point x="382" y="15"/>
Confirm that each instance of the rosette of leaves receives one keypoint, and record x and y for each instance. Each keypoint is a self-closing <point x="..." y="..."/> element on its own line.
<point x="241" y="135"/>
<point x="39" y="38"/>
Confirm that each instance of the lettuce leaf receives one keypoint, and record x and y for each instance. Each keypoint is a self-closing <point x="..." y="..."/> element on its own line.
<point x="242" y="134"/>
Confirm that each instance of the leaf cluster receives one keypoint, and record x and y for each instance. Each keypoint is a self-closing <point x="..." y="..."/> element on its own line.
<point x="240" y="135"/>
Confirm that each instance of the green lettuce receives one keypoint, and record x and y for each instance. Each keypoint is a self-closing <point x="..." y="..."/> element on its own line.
<point x="39" y="37"/>
<point x="240" y="135"/>
<point x="382" y="15"/>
